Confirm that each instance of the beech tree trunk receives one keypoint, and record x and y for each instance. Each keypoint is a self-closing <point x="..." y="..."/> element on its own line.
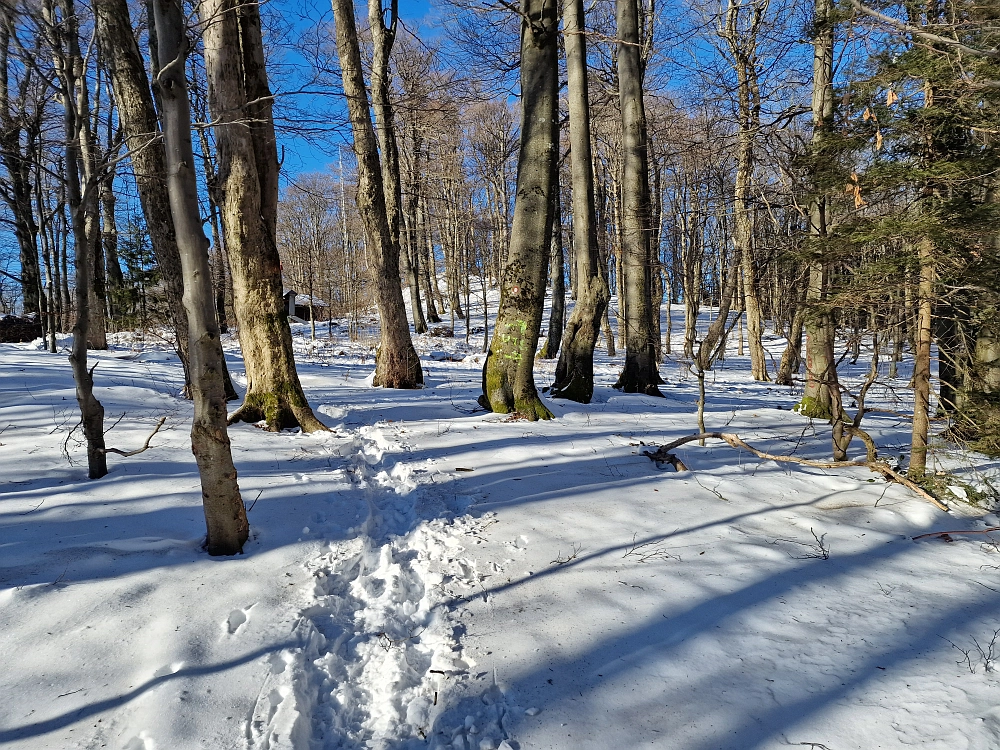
<point x="557" y="278"/>
<point x="137" y="116"/>
<point x="225" y="514"/>
<point x="114" y="279"/>
<point x="791" y="357"/>
<point x="640" y="373"/>
<point x="575" y="369"/>
<point x="741" y="37"/>
<point x="63" y="29"/>
<point x="410" y="254"/>
<point x="396" y="362"/>
<point x="240" y="103"/>
<point x="383" y="38"/>
<point x="821" y="367"/>
<point x="922" y="363"/>
<point x="508" y="378"/>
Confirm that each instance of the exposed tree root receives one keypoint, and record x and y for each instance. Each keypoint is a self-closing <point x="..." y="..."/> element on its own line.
<point x="663" y="455"/>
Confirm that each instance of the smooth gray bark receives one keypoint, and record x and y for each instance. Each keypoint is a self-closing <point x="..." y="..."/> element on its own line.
<point x="640" y="373"/>
<point x="575" y="370"/>
<point x="397" y="364"/>
<point x="225" y="515"/>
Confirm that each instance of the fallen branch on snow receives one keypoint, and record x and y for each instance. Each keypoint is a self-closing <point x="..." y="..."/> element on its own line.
<point x="949" y="533"/>
<point x="663" y="455"/>
<point x="145" y="446"/>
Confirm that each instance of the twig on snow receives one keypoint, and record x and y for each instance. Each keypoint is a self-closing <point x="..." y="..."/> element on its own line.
<point x="649" y="551"/>
<point x="560" y="560"/>
<point x="819" y="550"/>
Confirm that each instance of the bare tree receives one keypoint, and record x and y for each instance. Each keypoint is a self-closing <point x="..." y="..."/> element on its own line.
<point x="640" y="373"/>
<point x="822" y="387"/>
<point x="225" y="515"/>
<point x="741" y="25"/>
<point x="61" y="25"/>
<point x="17" y="155"/>
<point x="137" y="116"/>
<point x="240" y="102"/>
<point x="508" y="379"/>
<point x="575" y="369"/>
<point x="397" y="364"/>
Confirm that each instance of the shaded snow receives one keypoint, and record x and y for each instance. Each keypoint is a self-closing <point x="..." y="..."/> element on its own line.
<point x="428" y="575"/>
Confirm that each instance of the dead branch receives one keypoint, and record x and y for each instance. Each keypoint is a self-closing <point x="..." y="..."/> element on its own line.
<point x="921" y="33"/>
<point x="145" y="446"/>
<point x="662" y="455"/>
<point x="949" y="533"/>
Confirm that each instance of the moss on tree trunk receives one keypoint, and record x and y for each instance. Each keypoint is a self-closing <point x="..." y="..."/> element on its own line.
<point x="508" y="380"/>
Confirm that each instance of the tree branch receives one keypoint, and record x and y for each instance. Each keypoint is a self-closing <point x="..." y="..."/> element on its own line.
<point x="662" y="455"/>
<point x="145" y="446"/>
<point x="943" y="533"/>
<point x="920" y="33"/>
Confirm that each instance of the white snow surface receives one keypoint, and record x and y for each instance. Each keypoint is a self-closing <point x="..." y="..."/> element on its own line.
<point x="428" y="575"/>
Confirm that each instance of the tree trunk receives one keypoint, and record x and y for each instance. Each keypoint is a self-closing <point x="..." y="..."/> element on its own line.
<point x="508" y="380"/>
<point x="822" y="387"/>
<point x="383" y="38"/>
<point x="425" y="251"/>
<point x="575" y="369"/>
<point x="248" y="180"/>
<point x="397" y="364"/>
<point x="114" y="280"/>
<point x="410" y="255"/>
<point x="98" y="335"/>
<point x="18" y="159"/>
<point x="742" y="41"/>
<point x="557" y="277"/>
<point x="225" y="514"/>
<point x="922" y="363"/>
<point x="655" y="261"/>
<point x="791" y="357"/>
<point x="640" y="373"/>
<point x="137" y="116"/>
<point x="81" y="200"/>
<point x="691" y="257"/>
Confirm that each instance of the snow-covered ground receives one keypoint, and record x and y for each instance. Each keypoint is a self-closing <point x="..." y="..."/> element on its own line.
<point x="429" y="575"/>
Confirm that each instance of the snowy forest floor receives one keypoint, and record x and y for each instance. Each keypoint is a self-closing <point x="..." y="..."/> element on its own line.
<point x="429" y="575"/>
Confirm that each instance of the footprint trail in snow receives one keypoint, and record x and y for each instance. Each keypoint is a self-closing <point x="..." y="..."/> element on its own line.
<point x="381" y="662"/>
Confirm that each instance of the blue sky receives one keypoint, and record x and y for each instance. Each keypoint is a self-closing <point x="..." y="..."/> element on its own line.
<point x="302" y="154"/>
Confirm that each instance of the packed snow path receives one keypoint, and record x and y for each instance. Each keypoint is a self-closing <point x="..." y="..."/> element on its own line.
<point x="426" y="576"/>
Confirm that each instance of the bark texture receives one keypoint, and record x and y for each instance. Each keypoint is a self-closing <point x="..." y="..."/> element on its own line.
<point x="508" y="378"/>
<point x="383" y="38"/>
<point x="62" y="26"/>
<point x="822" y="387"/>
<point x="137" y="116"/>
<point x="397" y="364"/>
<point x="640" y="373"/>
<point x="240" y="103"/>
<point x="225" y="514"/>
<point x="741" y="36"/>
<point x="575" y="369"/>
<point x="922" y="362"/>
<point x="557" y="279"/>
<point x="17" y="158"/>
<point x="791" y="356"/>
